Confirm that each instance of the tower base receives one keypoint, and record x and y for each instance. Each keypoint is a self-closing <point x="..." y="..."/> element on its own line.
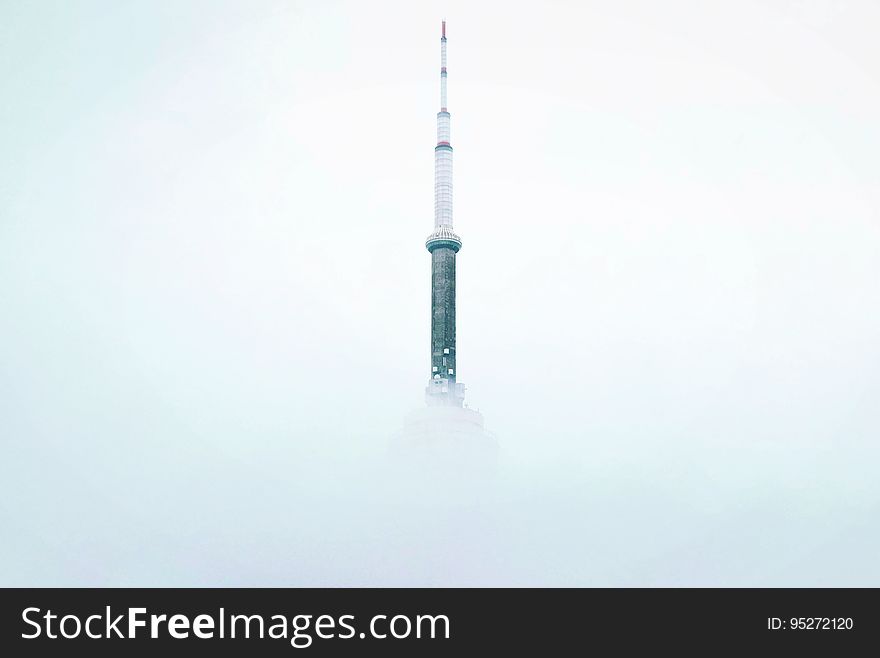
<point x="446" y="437"/>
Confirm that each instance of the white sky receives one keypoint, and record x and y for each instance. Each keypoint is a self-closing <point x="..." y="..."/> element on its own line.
<point x="212" y="217"/>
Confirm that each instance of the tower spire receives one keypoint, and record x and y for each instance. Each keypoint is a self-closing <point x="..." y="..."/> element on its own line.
<point x="443" y="68"/>
<point x="443" y="151"/>
<point x="443" y="244"/>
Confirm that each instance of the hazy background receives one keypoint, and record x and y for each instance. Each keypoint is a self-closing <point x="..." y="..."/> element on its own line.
<point x="214" y="294"/>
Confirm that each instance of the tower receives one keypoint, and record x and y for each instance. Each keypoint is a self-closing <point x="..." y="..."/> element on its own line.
<point x="445" y="436"/>
<point x="443" y="244"/>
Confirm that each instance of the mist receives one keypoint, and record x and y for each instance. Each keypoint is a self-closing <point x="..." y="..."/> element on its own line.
<point x="215" y="293"/>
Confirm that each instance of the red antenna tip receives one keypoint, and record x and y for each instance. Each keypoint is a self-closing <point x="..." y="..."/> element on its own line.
<point x="443" y="29"/>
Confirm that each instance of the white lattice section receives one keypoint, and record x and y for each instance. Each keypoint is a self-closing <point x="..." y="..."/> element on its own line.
<point x="444" y="131"/>
<point x="442" y="187"/>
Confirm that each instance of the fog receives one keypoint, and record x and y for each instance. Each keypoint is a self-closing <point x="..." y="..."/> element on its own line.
<point x="215" y="293"/>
